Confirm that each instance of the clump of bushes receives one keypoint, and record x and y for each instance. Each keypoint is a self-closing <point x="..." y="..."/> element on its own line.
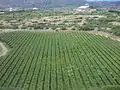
<point x="73" y="28"/>
<point x="63" y="28"/>
<point x="24" y="27"/>
<point x="2" y="26"/>
<point x="53" y="28"/>
<point x="86" y="28"/>
<point x="14" y="27"/>
<point x="116" y="30"/>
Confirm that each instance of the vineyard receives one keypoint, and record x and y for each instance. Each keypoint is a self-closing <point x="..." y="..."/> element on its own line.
<point x="59" y="61"/>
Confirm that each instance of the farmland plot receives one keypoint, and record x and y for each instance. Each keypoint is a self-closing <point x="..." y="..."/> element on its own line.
<point x="59" y="61"/>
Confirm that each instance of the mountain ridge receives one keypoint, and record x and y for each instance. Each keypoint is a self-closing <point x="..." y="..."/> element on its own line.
<point x="53" y="3"/>
<point x="39" y="3"/>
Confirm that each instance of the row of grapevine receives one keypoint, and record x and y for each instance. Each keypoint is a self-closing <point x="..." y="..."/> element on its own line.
<point x="59" y="61"/>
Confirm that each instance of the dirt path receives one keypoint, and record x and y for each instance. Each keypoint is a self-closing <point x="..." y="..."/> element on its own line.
<point x="3" y="50"/>
<point x="9" y="30"/>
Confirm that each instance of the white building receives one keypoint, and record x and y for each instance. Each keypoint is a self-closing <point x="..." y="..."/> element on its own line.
<point x="35" y="8"/>
<point x="85" y="8"/>
<point x="10" y="9"/>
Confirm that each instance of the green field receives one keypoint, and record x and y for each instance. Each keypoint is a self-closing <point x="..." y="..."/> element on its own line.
<point x="59" y="61"/>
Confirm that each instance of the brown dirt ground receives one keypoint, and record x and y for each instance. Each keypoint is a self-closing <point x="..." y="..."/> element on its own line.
<point x="3" y="50"/>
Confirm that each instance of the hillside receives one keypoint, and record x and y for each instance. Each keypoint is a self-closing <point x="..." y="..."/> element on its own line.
<point x="39" y="3"/>
<point x="107" y="4"/>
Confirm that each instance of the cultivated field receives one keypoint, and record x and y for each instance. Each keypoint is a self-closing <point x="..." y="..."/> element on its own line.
<point x="59" y="61"/>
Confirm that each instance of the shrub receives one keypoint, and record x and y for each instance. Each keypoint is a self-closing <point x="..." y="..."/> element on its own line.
<point x="63" y="28"/>
<point x="54" y="28"/>
<point x="86" y="28"/>
<point x="14" y="27"/>
<point x="116" y="30"/>
<point x="73" y="28"/>
<point x="2" y="26"/>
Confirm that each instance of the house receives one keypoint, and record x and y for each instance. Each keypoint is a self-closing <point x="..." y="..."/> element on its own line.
<point x="85" y="8"/>
<point x="35" y="8"/>
<point x="10" y="9"/>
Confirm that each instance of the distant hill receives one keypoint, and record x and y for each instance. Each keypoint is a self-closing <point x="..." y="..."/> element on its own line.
<point x="39" y="3"/>
<point x="2" y="7"/>
<point x="108" y="2"/>
<point x="111" y="4"/>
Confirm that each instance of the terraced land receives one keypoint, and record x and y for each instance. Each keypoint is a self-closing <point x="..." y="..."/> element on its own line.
<point x="59" y="61"/>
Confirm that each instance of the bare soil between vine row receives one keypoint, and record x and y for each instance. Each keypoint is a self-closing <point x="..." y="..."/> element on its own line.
<point x="3" y="49"/>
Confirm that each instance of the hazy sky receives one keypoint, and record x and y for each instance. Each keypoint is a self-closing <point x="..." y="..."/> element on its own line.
<point x="103" y="0"/>
<point x="5" y="2"/>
